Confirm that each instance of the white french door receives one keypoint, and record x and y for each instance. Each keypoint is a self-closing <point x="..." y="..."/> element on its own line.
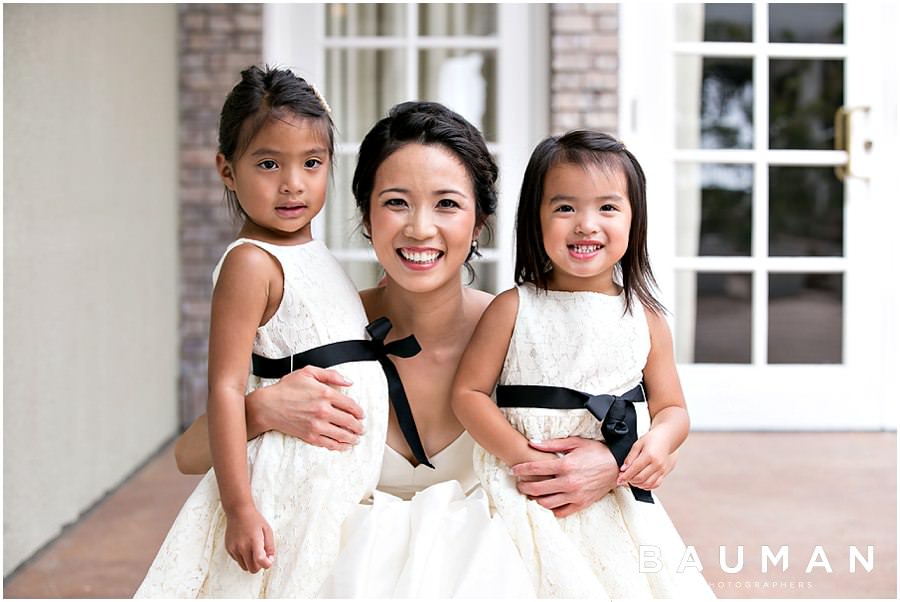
<point x="486" y="61"/>
<point x="765" y="130"/>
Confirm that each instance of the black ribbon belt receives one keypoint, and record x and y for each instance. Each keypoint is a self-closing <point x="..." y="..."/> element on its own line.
<point x="615" y="412"/>
<point x="341" y="352"/>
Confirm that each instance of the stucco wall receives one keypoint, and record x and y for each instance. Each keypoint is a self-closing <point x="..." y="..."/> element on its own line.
<point x="90" y="257"/>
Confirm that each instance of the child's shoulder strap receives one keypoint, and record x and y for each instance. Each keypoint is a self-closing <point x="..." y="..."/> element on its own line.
<point x="268" y="248"/>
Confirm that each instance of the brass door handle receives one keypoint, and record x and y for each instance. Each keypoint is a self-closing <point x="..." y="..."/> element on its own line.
<point x="843" y="140"/>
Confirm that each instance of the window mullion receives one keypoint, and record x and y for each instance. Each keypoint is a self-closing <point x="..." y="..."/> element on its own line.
<point x="412" y="51"/>
<point x="760" y="242"/>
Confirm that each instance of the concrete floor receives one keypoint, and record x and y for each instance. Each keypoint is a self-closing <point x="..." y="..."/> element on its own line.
<point x="799" y="490"/>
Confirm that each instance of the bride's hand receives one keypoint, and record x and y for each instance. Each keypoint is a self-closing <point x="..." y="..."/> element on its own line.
<point x="585" y="473"/>
<point x="307" y="404"/>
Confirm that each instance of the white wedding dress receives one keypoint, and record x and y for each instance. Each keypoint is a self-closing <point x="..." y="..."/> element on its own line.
<point x="427" y="534"/>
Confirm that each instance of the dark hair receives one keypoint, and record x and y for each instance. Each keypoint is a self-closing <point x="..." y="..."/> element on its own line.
<point x="428" y="123"/>
<point x="585" y="147"/>
<point x="261" y="95"/>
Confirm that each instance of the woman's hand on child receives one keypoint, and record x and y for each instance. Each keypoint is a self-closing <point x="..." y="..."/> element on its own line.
<point x="309" y="405"/>
<point x="648" y="462"/>
<point x="249" y="540"/>
<point x="584" y="474"/>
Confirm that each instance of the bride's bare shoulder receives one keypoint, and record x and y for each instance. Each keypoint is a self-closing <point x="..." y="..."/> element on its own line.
<point x="477" y="301"/>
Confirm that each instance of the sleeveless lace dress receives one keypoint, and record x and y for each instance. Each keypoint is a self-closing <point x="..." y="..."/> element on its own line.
<point x="304" y="492"/>
<point x="583" y="341"/>
<point x="428" y="534"/>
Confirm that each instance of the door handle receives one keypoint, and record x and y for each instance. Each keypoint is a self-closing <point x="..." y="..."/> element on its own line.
<point x="843" y="140"/>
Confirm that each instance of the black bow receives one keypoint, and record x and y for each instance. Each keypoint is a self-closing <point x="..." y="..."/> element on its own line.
<point x="342" y="352"/>
<point x="615" y="412"/>
<point x="619" y="427"/>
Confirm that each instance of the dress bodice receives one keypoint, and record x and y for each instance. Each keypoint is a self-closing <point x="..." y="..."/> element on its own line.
<point x="319" y="303"/>
<point x="581" y="340"/>
<point x="453" y="463"/>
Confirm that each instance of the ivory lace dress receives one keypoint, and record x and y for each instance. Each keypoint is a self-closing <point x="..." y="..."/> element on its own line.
<point x="582" y="341"/>
<point x="304" y="492"/>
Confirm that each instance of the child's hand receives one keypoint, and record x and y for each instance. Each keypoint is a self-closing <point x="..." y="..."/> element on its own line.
<point x="249" y="540"/>
<point x="648" y="461"/>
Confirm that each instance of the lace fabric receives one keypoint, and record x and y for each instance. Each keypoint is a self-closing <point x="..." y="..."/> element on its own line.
<point x="304" y="492"/>
<point x="584" y="341"/>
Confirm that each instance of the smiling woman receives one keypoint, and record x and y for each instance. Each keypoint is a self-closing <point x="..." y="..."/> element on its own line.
<point x="423" y="217"/>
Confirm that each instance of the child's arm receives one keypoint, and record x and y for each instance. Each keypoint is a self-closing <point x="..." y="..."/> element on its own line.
<point x="650" y="457"/>
<point x="241" y="301"/>
<point x="476" y="377"/>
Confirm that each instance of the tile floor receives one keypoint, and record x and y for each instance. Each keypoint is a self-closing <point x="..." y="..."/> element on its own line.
<point x="799" y="490"/>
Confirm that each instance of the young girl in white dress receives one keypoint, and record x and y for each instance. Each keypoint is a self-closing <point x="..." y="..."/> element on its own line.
<point x="266" y="521"/>
<point x="581" y="347"/>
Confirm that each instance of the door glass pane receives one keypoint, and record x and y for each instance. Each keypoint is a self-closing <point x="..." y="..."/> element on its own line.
<point x="714" y="102"/>
<point x="461" y="19"/>
<point x="714" y="215"/>
<point x="806" y="318"/>
<point x="465" y="81"/>
<point x="718" y="328"/>
<point x="362" y="85"/>
<point x="485" y="276"/>
<point x="487" y="237"/>
<point x="714" y="22"/>
<point x="348" y="20"/>
<point x="806" y="23"/>
<point x="342" y="229"/>
<point x="803" y="97"/>
<point x="806" y="212"/>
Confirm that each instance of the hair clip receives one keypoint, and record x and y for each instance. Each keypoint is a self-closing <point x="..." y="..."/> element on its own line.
<point x="321" y="98"/>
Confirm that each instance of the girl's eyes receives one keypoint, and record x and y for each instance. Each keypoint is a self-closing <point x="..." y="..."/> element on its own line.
<point x="395" y="203"/>
<point x="447" y="204"/>
<point x="270" y="164"/>
<point x="568" y="208"/>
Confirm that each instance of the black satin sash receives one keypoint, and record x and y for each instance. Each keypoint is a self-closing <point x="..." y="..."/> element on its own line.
<point x="341" y="352"/>
<point x="615" y="412"/>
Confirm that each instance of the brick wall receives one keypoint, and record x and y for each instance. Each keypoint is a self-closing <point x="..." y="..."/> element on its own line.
<point x="584" y="67"/>
<point x="216" y="42"/>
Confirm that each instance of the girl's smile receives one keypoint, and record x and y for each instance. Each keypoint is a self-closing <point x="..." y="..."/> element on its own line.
<point x="585" y="249"/>
<point x="291" y="210"/>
